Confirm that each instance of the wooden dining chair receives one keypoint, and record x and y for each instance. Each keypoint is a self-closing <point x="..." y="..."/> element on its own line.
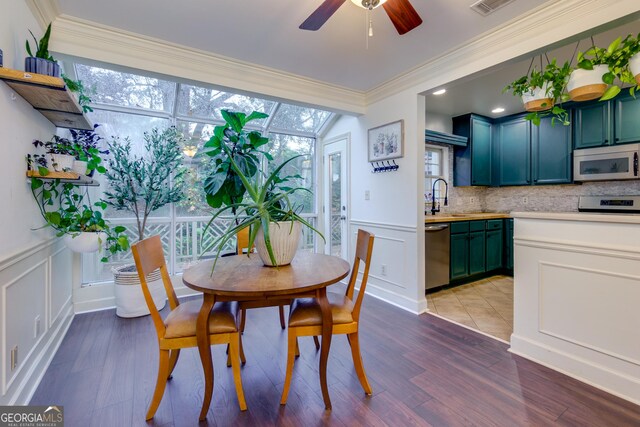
<point x="305" y="317"/>
<point x="178" y="329"/>
<point x="242" y="246"/>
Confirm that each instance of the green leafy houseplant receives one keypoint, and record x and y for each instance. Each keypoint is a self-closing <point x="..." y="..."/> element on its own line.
<point x="39" y="59"/>
<point x="223" y="186"/>
<point x="140" y="184"/>
<point x="42" y="46"/>
<point x="70" y="212"/>
<point x="267" y="202"/>
<point x="77" y="86"/>
<point x="554" y="80"/>
<point x="616" y="57"/>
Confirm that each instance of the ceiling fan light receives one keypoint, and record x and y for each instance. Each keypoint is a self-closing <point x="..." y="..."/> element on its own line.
<point x="368" y="4"/>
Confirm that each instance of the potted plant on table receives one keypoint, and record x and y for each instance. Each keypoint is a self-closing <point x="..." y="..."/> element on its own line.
<point x="41" y="61"/>
<point x="541" y="89"/>
<point x="236" y="186"/>
<point x="140" y="185"/>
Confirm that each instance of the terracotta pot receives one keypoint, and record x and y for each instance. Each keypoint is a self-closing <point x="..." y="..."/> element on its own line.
<point x="284" y="242"/>
<point x="538" y="99"/>
<point x="85" y="242"/>
<point x="585" y="85"/>
<point x="634" y="66"/>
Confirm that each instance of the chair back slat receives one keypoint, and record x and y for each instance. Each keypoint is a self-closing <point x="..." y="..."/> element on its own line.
<point x="149" y="257"/>
<point x="243" y="241"/>
<point x="364" y="249"/>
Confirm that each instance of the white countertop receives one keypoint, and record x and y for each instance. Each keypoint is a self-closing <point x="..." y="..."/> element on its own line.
<point x="581" y="216"/>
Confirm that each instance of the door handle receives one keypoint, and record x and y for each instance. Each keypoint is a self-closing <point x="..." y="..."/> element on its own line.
<point x="635" y="164"/>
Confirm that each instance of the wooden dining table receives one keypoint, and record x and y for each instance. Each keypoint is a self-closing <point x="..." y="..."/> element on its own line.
<point x="243" y="278"/>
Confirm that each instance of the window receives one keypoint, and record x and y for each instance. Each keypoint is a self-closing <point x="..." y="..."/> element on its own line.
<point x="436" y="166"/>
<point x="127" y="105"/>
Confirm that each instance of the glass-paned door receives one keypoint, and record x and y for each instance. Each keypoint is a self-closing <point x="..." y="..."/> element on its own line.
<point x="335" y="198"/>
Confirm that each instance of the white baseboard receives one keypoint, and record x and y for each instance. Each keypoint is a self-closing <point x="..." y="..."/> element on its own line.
<point x="397" y="300"/>
<point x="586" y="371"/>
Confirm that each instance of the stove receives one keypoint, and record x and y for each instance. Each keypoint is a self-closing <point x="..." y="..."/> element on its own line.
<point x="611" y="204"/>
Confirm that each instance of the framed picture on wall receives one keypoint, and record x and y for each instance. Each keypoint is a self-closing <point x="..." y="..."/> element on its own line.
<point x="386" y="142"/>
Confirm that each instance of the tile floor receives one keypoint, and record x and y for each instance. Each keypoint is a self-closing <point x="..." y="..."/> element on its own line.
<point x="485" y="305"/>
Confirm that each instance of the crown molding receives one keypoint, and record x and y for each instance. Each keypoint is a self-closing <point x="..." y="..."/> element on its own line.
<point x="86" y="39"/>
<point x="45" y="11"/>
<point x="543" y="26"/>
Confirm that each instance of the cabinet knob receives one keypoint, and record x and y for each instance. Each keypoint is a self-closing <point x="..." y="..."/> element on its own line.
<point x="606" y="141"/>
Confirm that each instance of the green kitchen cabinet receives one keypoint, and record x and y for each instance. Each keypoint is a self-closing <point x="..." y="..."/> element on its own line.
<point x="494" y="249"/>
<point x="459" y="256"/>
<point x="508" y="244"/>
<point x="592" y="124"/>
<point x="477" y="252"/>
<point x="513" y="146"/>
<point x="472" y="164"/>
<point x="627" y="119"/>
<point x="551" y="153"/>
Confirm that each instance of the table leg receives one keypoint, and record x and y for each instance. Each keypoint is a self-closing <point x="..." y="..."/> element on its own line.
<point x="204" y="347"/>
<point x="327" y="327"/>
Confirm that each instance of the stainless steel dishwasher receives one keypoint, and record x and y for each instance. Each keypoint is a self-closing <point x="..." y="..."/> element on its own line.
<point x="437" y="246"/>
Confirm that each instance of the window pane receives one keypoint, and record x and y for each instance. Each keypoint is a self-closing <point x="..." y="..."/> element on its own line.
<point x="127" y="90"/>
<point x="195" y="101"/>
<point x="198" y="167"/>
<point x="292" y="117"/>
<point x="283" y="147"/>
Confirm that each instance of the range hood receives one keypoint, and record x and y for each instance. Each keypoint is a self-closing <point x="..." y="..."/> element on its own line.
<point x="445" y="138"/>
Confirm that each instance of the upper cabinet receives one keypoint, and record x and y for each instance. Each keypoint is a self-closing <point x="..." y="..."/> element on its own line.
<point x="551" y="158"/>
<point x="513" y="152"/>
<point x="49" y="96"/>
<point x="472" y="164"/>
<point x="597" y="123"/>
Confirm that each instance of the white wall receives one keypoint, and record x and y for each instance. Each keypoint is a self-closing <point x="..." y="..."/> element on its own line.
<point x="35" y="271"/>
<point x="394" y="210"/>
<point x="438" y="122"/>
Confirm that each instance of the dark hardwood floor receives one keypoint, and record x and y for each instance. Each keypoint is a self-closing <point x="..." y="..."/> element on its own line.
<point x="424" y="371"/>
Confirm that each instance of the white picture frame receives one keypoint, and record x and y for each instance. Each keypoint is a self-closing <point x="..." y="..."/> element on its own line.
<point x="386" y="142"/>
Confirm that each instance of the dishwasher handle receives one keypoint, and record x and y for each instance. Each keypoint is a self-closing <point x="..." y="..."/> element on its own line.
<point x="432" y="228"/>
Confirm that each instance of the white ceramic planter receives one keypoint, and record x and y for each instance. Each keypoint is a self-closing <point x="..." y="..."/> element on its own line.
<point x="128" y="291"/>
<point x="634" y="66"/>
<point x="85" y="242"/>
<point x="79" y="166"/>
<point x="62" y="162"/>
<point x="284" y="242"/>
<point x="585" y="85"/>
<point x="538" y="99"/>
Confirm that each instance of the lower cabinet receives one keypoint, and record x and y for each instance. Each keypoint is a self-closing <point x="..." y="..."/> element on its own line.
<point x="476" y="247"/>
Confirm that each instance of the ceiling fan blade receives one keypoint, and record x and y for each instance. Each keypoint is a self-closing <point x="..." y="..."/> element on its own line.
<point x="321" y="15"/>
<point x="403" y="15"/>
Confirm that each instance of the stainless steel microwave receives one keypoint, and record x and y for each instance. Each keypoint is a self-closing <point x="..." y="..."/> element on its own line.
<point x="606" y="163"/>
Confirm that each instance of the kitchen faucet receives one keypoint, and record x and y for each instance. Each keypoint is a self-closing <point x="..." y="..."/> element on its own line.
<point x="433" y="195"/>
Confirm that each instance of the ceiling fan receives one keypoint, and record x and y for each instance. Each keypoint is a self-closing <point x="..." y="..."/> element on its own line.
<point x="403" y="16"/>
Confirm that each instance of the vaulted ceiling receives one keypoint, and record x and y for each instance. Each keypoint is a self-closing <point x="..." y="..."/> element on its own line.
<point x="266" y="33"/>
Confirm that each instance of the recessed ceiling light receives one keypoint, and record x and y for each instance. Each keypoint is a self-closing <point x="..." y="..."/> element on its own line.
<point x="440" y="92"/>
<point x="498" y="110"/>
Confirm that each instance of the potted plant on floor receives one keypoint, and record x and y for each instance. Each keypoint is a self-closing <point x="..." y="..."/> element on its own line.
<point x="140" y="185"/>
<point x="540" y="90"/>
<point x="41" y="61"/>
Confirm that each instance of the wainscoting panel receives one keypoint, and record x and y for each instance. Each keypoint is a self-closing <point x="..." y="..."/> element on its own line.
<point x="392" y="275"/>
<point x="36" y="307"/>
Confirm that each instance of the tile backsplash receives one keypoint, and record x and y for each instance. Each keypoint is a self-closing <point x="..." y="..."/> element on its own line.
<point x="549" y="198"/>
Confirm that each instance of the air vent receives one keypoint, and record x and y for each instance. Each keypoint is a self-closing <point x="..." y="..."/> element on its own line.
<point x="485" y="7"/>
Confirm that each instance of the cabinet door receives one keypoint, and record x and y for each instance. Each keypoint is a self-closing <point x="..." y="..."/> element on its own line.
<point x="592" y="125"/>
<point x="494" y="249"/>
<point x="551" y="151"/>
<point x="508" y="244"/>
<point x="514" y="142"/>
<point x="627" y="119"/>
<point x="480" y="152"/>
<point x="476" y="252"/>
<point x="459" y="261"/>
